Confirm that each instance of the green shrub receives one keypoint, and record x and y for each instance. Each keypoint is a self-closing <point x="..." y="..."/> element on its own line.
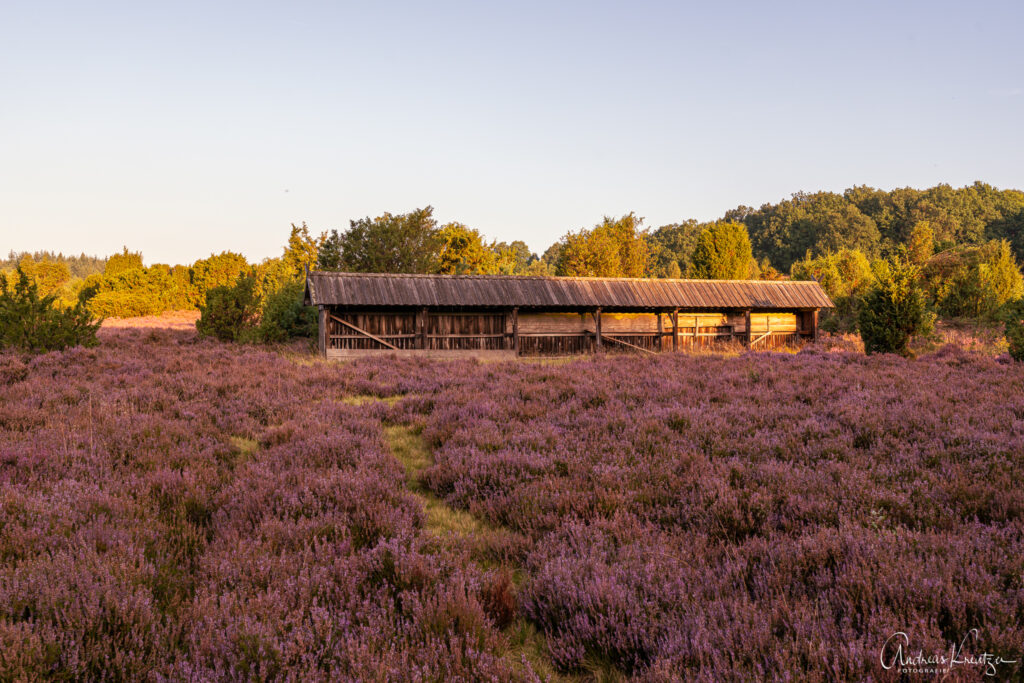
<point x="124" y="304"/>
<point x="219" y="270"/>
<point x="895" y="310"/>
<point x="230" y="313"/>
<point x="285" y="316"/>
<point x="1013" y="317"/>
<point x="137" y="291"/>
<point x="34" y="323"/>
<point x="126" y="260"/>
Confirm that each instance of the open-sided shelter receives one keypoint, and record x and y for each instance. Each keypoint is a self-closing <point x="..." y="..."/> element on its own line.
<point x="506" y="315"/>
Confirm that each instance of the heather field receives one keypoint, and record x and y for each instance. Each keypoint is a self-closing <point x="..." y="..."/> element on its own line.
<point x="174" y="508"/>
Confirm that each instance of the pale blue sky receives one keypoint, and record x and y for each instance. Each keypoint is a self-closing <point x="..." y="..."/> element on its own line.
<point x="184" y="128"/>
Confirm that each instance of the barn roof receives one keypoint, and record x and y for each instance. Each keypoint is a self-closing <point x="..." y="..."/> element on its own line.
<point x="503" y="291"/>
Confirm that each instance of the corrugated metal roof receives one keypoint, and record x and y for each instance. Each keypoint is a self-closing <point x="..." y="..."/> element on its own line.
<point x="489" y="291"/>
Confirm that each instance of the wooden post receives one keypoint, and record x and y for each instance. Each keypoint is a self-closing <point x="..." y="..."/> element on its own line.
<point x="749" y="332"/>
<point x="661" y="334"/>
<point x="597" y="327"/>
<point x="322" y="325"/>
<point x="696" y="331"/>
<point x="814" y="324"/>
<point x="675" y="330"/>
<point x="421" y="328"/>
<point x="515" y="330"/>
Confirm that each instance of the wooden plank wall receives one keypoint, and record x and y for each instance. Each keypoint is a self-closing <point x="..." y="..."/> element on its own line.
<point x="398" y="329"/>
<point x="444" y="331"/>
<point x="554" y="323"/>
<point x="558" y="333"/>
<point x="779" y="322"/>
<point x="774" y="330"/>
<point x="556" y="345"/>
<point x="572" y="333"/>
<point x="482" y="331"/>
<point x="428" y="354"/>
<point x="566" y="323"/>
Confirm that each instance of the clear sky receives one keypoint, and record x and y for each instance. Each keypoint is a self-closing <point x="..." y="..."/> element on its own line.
<point x="184" y="128"/>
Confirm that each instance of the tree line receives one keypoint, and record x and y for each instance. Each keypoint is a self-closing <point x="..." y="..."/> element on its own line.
<point x="43" y="306"/>
<point x="874" y="222"/>
<point x="963" y="244"/>
<point x="615" y="247"/>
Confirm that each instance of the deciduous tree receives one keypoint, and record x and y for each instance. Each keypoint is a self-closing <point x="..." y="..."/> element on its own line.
<point x="673" y="244"/>
<point x="846" y="276"/>
<point x="406" y="243"/>
<point x="612" y="248"/>
<point x="464" y="252"/>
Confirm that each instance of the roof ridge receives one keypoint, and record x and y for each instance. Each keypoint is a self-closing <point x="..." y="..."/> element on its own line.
<point x="504" y="276"/>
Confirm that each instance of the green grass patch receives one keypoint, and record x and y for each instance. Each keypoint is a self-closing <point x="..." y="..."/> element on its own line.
<point x="442" y="519"/>
<point x="366" y="399"/>
<point x="412" y="451"/>
<point x="243" y="445"/>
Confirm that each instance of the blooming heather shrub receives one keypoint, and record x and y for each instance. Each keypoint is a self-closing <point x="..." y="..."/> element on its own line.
<point x="751" y="517"/>
<point x="174" y="509"/>
<point x="90" y="605"/>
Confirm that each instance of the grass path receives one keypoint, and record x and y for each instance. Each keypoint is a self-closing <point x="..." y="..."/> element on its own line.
<point x="525" y="642"/>
<point x="413" y="453"/>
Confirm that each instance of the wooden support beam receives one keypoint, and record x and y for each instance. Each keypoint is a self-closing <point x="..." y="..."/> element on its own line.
<point x="661" y="334"/>
<point x="421" y="328"/>
<point x="360" y="336"/>
<point x="675" y="330"/>
<point x="749" y="332"/>
<point x="515" y="330"/>
<point x="626" y="343"/>
<point x="498" y="335"/>
<point x="763" y="336"/>
<point x="814" y="324"/>
<point x="322" y="328"/>
<point x="597" y="330"/>
<point x="365" y="333"/>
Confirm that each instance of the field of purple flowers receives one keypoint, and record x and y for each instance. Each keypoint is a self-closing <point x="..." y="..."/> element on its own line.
<point x="175" y="508"/>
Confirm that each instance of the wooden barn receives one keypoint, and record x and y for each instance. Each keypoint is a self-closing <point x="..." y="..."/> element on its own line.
<point x="505" y="315"/>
